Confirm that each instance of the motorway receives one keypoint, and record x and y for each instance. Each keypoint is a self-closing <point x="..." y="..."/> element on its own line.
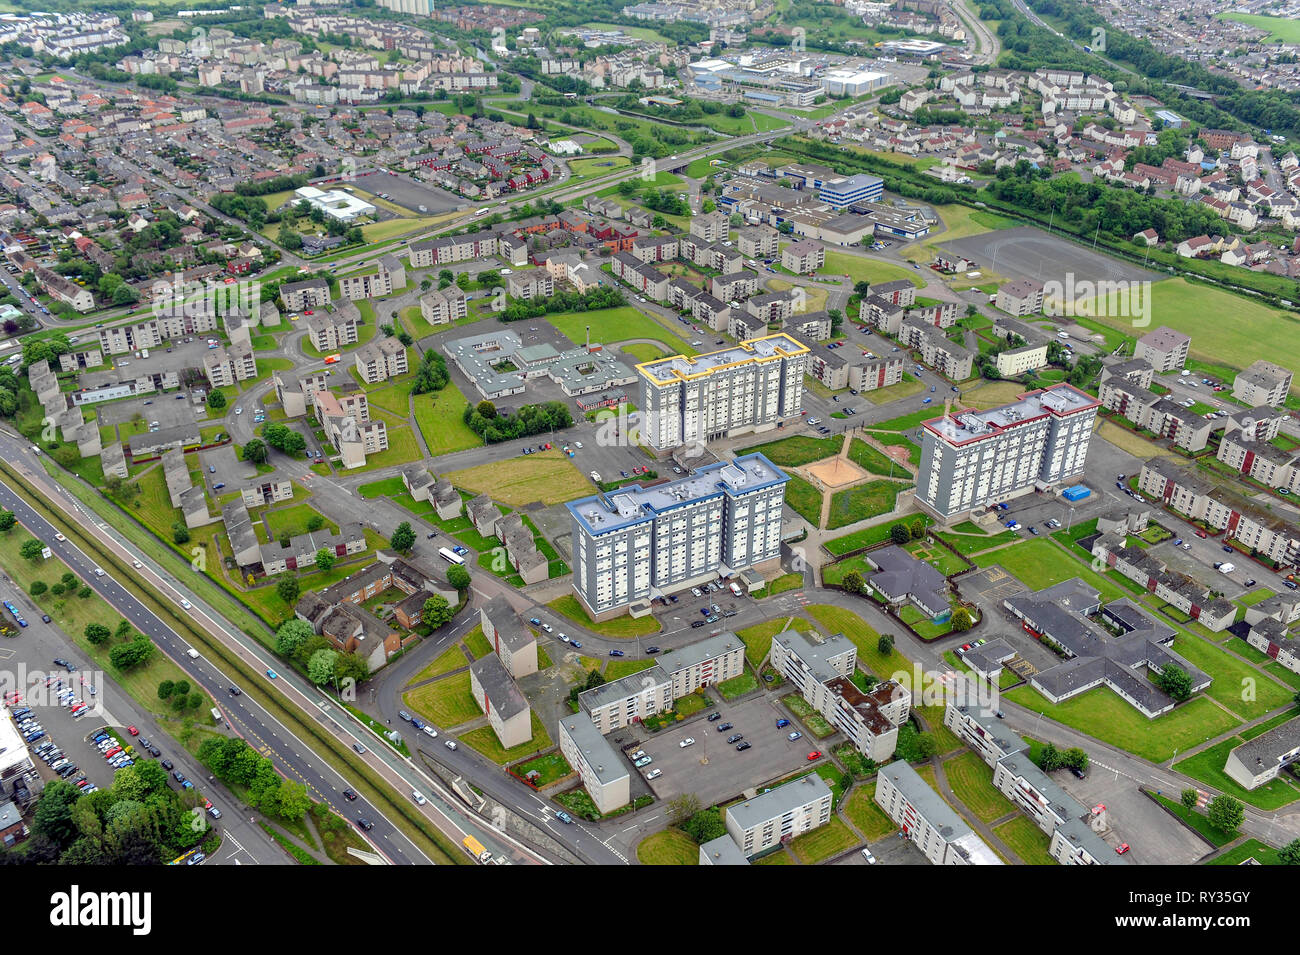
<point x="292" y="757"/>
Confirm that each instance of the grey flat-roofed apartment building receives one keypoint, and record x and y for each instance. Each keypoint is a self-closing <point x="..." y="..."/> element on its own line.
<point x="982" y="731"/>
<point x="746" y="387"/>
<point x="638" y="542"/>
<point x="1163" y="348"/>
<point x="1257" y="762"/>
<point x="973" y="459"/>
<point x="510" y="639"/>
<point x="622" y="702"/>
<point x="935" y="828"/>
<point x="722" y="851"/>
<point x="603" y="771"/>
<point x="705" y="663"/>
<point x="780" y="814"/>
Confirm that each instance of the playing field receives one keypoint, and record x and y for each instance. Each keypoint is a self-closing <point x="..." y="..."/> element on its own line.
<point x="1225" y="328"/>
<point x="610" y="325"/>
<point x="1279" y="29"/>
<point x="549" y="477"/>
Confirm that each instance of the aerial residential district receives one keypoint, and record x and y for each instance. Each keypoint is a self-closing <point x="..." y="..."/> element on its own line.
<point x="682" y="432"/>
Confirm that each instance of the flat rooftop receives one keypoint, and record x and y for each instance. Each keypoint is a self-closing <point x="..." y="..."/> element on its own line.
<point x="963" y="426"/>
<point x="632" y="504"/>
<point x="680" y="368"/>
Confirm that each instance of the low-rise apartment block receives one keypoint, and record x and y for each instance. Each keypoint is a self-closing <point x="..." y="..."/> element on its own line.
<point x="1263" y="383"/>
<point x="1023" y="297"/>
<point x="334" y="330"/>
<point x="380" y="360"/>
<point x="803" y="257"/>
<point x="514" y="643"/>
<point x="933" y="826"/>
<point x="498" y="696"/>
<point x="779" y="815"/>
<point x="300" y="296"/>
<point x="348" y="427"/>
<point x="443" y="306"/>
<point x="604" y="772"/>
<point x="1163" y="349"/>
<point x="389" y="276"/>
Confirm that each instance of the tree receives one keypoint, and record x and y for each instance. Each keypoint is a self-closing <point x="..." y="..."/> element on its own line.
<point x="885" y="644"/>
<point x="325" y="559"/>
<point x="292" y="635"/>
<point x="437" y="612"/>
<point x="682" y="808"/>
<point x="53" y="816"/>
<point x="1190" y="798"/>
<point x="1175" y="681"/>
<point x="165" y="689"/>
<point x="216" y="399"/>
<point x="84" y="592"/>
<point x="862" y="288"/>
<point x="961" y="621"/>
<point x="917" y="529"/>
<point x="125" y="656"/>
<point x="31" y="549"/>
<point x="7" y="521"/>
<point x="315" y="523"/>
<point x="853" y="582"/>
<point x="123" y="630"/>
<point x="403" y="538"/>
<point x="351" y="667"/>
<point x="320" y="668"/>
<point x="487" y="409"/>
<point x="37" y="588"/>
<point x="899" y="534"/>
<point x="97" y="633"/>
<point x="1225" y="814"/>
<point x="1074" y="758"/>
<point x="1050" y="758"/>
<point x="288" y="589"/>
<point x="1289" y="854"/>
<point x="705" y="825"/>
<point x="180" y="533"/>
<point x="255" y="451"/>
<point x="458" y="576"/>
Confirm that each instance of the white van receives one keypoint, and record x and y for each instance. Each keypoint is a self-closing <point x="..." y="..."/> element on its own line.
<point x="193" y="654"/>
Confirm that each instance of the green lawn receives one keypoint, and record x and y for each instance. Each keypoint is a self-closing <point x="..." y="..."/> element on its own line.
<point x="779" y="586"/>
<point x="668" y="847"/>
<point x="898" y="441"/>
<point x="438" y="416"/>
<point x="972" y="782"/>
<point x="869" y="459"/>
<point x="804" y="499"/>
<point x="385" y="488"/>
<point x="612" y="325"/>
<point x="453" y="658"/>
<point x="1230" y="675"/>
<point x="862" y="501"/>
<point x="1026" y="840"/>
<point x="624" y="626"/>
<point x="1198" y="822"/>
<point x="484" y="739"/>
<point x="1039" y="563"/>
<point x="865" y="638"/>
<point x="1250" y="849"/>
<point x="1280" y="30"/>
<point x="447" y="702"/>
<point x="477" y="643"/>
<point x="1100" y="713"/>
<point x="970" y="544"/>
<point x="293" y="520"/>
<point x="550" y="768"/>
<point x="738" y="686"/>
<point x="823" y="842"/>
<point x="867" y="537"/>
<point x="617" y="669"/>
<point x="866" y="815"/>
<point x="758" y="638"/>
<point x="798" y="449"/>
<point x="859" y="268"/>
<point x="1207" y="766"/>
<point x="1225" y="328"/>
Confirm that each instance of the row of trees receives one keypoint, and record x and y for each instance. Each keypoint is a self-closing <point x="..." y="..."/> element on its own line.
<point x="563" y="301"/>
<point x="431" y="374"/>
<point x="296" y="641"/>
<point x="484" y="420"/>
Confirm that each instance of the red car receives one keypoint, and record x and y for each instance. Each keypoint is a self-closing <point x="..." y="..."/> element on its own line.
<point x="309" y="312"/>
<point x="1122" y="848"/>
<point x="1202" y="534"/>
<point x="133" y="731"/>
<point x="815" y="754"/>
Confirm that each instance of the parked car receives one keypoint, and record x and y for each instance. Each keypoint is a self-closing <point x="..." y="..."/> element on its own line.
<point x="686" y="742"/>
<point x="741" y="747"/>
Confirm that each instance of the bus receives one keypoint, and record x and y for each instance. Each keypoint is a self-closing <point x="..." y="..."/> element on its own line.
<point x="450" y="556"/>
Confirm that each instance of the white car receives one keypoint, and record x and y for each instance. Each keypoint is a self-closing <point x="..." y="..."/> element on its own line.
<point x="654" y="774"/>
<point x="686" y="742"/>
<point x="418" y="797"/>
<point x="186" y="604"/>
<point x="239" y="411"/>
<point x="59" y="537"/>
<point x="137" y="565"/>
<point x="430" y="731"/>
<point x="506" y="272"/>
<point x="564" y="637"/>
<point x="578" y="445"/>
<point x="548" y="628"/>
